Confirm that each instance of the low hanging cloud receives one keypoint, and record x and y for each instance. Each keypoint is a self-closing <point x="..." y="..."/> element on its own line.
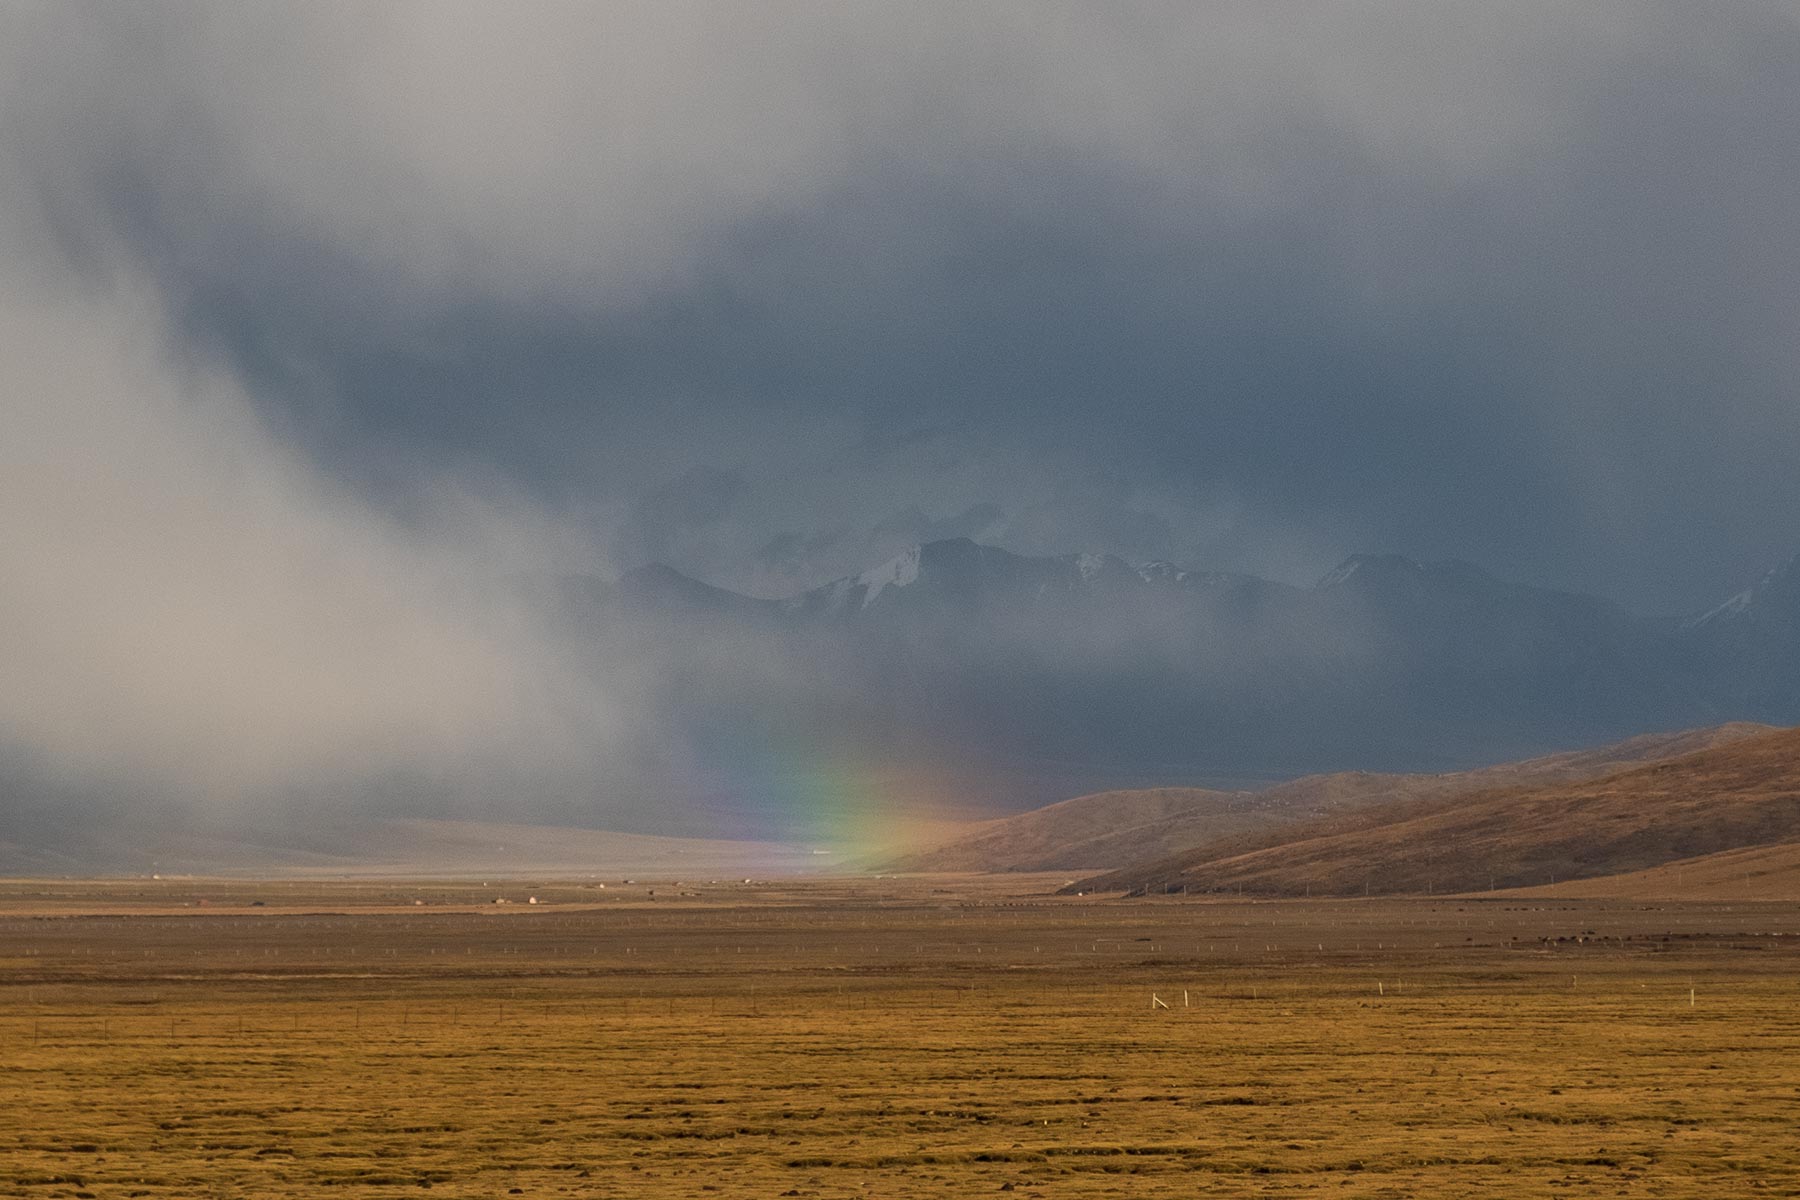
<point x="189" y="609"/>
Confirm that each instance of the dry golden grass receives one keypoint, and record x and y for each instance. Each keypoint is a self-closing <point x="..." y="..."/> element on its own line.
<point x="1094" y="830"/>
<point x="1143" y="827"/>
<point x="1755" y="873"/>
<point x="886" y="1038"/>
<point x="1741" y="794"/>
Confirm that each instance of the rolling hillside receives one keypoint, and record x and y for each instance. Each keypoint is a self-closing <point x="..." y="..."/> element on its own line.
<point x="1120" y="828"/>
<point x="1745" y="793"/>
<point x="1753" y="874"/>
<point x="1093" y="831"/>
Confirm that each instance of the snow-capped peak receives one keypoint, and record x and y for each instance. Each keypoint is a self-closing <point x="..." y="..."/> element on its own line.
<point x="896" y="572"/>
<point x="1162" y="570"/>
<point x="1089" y="565"/>
<point x="1379" y="565"/>
<point x="1776" y="588"/>
<point x="1724" y="612"/>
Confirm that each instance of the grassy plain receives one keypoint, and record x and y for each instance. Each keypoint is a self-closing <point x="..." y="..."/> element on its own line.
<point x="897" y="1038"/>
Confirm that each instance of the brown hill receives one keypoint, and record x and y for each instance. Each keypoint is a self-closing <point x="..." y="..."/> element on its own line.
<point x="1744" y="793"/>
<point x="1756" y="873"/>
<point x="1357" y="789"/>
<point x="1120" y="828"/>
<point x="1091" y="831"/>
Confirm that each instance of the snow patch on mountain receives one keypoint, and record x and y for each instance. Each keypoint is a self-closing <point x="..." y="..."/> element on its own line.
<point x="1776" y="596"/>
<point x="897" y="572"/>
<point x="1162" y="571"/>
<point x="1389" y="566"/>
<point x="1733" y="607"/>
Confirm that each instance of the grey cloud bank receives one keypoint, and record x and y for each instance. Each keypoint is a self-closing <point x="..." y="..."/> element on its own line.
<point x="417" y="297"/>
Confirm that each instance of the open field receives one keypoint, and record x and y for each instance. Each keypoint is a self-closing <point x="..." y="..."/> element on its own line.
<point x="924" y="1037"/>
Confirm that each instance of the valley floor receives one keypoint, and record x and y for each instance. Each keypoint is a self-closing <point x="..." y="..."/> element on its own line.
<point x="899" y="1038"/>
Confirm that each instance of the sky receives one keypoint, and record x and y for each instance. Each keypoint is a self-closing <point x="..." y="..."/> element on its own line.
<point x="418" y="297"/>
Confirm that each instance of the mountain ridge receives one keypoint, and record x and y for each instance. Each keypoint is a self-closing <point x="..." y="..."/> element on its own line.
<point x="1136" y="828"/>
<point x="912" y="564"/>
<point x="1742" y="794"/>
<point x="962" y="651"/>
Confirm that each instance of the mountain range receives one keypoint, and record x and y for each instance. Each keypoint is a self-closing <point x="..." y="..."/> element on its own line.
<point x="1085" y="672"/>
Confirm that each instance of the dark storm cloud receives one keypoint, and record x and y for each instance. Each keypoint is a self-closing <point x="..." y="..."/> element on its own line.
<point x="1414" y="280"/>
<point x="762" y="289"/>
<point x="913" y="526"/>
<point x="683" y="508"/>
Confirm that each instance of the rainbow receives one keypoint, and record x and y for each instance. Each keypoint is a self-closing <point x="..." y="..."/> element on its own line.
<point x="847" y="800"/>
